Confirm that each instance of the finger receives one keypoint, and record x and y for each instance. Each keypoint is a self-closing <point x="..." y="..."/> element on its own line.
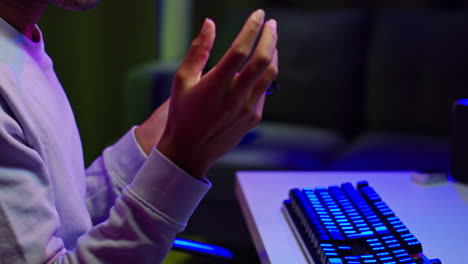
<point x="262" y="58"/>
<point x="259" y="106"/>
<point x="242" y="46"/>
<point x="262" y="83"/>
<point x="197" y="56"/>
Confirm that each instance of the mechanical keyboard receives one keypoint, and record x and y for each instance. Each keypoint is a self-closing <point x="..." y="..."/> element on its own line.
<point x="348" y="225"/>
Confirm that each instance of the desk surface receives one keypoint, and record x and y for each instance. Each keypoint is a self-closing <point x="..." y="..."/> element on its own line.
<point x="436" y="214"/>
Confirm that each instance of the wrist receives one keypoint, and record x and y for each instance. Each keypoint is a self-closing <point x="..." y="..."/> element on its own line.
<point x="183" y="157"/>
<point x="143" y="139"/>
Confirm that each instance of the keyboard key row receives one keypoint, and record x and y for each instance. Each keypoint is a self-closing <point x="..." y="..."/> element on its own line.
<point x="348" y="225"/>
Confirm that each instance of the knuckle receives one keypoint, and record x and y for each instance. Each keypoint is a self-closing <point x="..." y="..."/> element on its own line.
<point x="255" y="118"/>
<point x="274" y="37"/>
<point x="250" y="115"/>
<point x="196" y="43"/>
<point x="204" y="55"/>
<point x="240" y="52"/>
<point x="262" y="61"/>
<point x="255" y="26"/>
<point x="200" y="49"/>
<point x="273" y="71"/>
<point x="180" y="76"/>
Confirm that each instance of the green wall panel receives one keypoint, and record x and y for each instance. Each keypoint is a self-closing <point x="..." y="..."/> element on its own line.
<point x="92" y="51"/>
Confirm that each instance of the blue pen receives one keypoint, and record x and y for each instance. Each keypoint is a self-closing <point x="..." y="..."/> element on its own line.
<point x="274" y="87"/>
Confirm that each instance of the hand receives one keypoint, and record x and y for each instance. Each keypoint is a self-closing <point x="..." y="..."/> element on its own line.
<point x="208" y="115"/>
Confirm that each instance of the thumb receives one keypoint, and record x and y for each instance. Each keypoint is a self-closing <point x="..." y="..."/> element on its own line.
<point x="198" y="53"/>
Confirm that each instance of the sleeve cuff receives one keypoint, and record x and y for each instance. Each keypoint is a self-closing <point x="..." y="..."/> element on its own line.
<point x="125" y="158"/>
<point x="167" y="188"/>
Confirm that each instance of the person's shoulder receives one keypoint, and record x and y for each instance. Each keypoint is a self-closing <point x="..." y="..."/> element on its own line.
<point x="12" y="61"/>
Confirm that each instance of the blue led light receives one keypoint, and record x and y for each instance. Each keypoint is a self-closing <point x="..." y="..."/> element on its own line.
<point x="202" y="248"/>
<point x="463" y="101"/>
<point x="405" y="259"/>
<point x="383" y="254"/>
<point x="186" y="243"/>
<point x="402" y="255"/>
<point x="344" y="247"/>
<point x="381" y="230"/>
<point x="394" y="245"/>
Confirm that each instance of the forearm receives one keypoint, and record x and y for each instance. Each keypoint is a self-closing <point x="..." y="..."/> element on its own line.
<point x="110" y="173"/>
<point x="144" y="221"/>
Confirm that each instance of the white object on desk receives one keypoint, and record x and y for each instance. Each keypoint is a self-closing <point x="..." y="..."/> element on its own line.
<point x="436" y="214"/>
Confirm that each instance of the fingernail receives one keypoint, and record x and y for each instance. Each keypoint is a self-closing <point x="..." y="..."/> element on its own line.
<point x="273" y="25"/>
<point x="205" y="24"/>
<point x="259" y="15"/>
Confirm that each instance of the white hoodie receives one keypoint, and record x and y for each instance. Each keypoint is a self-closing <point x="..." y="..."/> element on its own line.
<point x="48" y="200"/>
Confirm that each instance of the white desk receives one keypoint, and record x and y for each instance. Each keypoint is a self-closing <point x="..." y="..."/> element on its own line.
<point x="436" y="214"/>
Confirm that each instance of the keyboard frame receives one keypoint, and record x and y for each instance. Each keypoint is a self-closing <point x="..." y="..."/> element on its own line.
<point x="291" y="219"/>
<point x="297" y="234"/>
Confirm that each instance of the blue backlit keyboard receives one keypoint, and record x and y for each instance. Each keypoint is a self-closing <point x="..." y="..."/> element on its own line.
<point x="348" y="225"/>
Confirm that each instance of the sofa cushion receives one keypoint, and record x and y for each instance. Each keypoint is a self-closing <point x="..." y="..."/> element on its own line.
<point x="418" y="65"/>
<point x="395" y="151"/>
<point x="279" y="146"/>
